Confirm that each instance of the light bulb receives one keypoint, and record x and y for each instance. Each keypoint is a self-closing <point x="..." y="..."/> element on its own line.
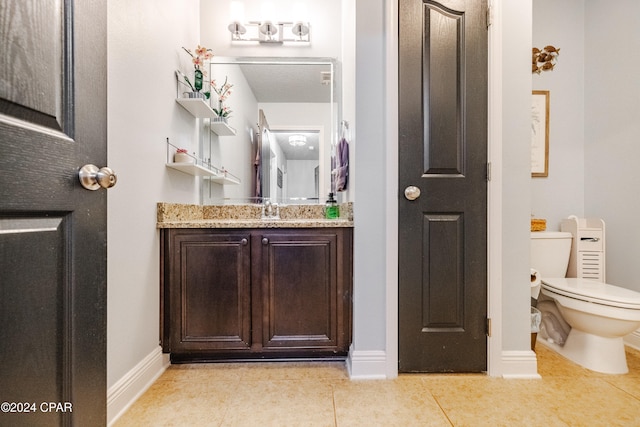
<point x="237" y="11"/>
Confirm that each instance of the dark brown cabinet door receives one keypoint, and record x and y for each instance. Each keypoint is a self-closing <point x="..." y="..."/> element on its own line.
<point x="299" y="290"/>
<point x="210" y="284"/>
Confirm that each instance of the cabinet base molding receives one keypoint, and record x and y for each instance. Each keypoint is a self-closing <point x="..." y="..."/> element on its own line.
<point x="134" y="383"/>
<point x="177" y="359"/>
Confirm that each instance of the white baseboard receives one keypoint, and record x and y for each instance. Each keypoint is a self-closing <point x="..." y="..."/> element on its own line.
<point x="129" y="388"/>
<point x="633" y="339"/>
<point x="520" y="365"/>
<point x="367" y="365"/>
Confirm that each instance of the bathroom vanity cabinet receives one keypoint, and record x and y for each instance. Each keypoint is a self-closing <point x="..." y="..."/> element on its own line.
<point x="255" y="293"/>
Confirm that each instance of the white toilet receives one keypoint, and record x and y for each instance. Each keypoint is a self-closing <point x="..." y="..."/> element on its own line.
<point x="585" y="319"/>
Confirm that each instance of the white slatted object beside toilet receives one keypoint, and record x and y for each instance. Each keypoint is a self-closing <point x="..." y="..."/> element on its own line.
<point x="587" y="258"/>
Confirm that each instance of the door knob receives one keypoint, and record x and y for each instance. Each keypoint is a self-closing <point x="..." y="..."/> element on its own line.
<point x="411" y="192"/>
<point x="93" y="178"/>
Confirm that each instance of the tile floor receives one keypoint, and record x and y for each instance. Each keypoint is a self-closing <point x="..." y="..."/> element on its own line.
<point x="321" y="394"/>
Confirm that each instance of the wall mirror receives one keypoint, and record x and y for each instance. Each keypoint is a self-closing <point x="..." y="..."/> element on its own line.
<point x="289" y="108"/>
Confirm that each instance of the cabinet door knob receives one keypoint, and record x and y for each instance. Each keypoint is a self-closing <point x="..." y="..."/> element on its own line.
<point x="265" y="241"/>
<point x="244" y="242"/>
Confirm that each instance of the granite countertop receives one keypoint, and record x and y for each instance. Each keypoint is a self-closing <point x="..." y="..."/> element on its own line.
<point x="176" y="215"/>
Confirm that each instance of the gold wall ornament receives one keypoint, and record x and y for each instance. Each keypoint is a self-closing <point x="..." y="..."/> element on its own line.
<point x="544" y="59"/>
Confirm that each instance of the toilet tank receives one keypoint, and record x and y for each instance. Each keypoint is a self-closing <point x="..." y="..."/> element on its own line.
<point x="550" y="251"/>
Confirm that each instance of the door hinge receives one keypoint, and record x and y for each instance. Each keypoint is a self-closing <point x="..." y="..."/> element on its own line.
<point x="489" y="16"/>
<point x="488" y="326"/>
<point x="488" y="171"/>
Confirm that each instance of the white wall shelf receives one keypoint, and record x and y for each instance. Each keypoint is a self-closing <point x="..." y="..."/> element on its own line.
<point x="200" y="167"/>
<point x="222" y="128"/>
<point x="214" y="175"/>
<point x="224" y="179"/>
<point x="199" y="108"/>
<point x="192" y="169"/>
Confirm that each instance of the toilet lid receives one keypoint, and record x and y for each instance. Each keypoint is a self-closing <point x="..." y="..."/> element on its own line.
<point x="593" y="291"/>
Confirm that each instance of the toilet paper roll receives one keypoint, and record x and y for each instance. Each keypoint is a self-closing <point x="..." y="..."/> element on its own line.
<point x="536" y="281"/>
<point x="535" y="278"/>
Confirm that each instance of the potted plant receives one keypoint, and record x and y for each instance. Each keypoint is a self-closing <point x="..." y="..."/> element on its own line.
<point x="223" y="112"/>
<point x="182" y="156"/>
<point x="201" y="54"/>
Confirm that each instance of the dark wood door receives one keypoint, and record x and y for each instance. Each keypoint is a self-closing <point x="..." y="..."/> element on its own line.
<point x="443" y="154"/>
<point x="210" y="275"/>
<point x="52" y="231"/>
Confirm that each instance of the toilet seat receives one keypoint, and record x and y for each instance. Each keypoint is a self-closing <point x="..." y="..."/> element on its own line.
<point x="594" y="292"/>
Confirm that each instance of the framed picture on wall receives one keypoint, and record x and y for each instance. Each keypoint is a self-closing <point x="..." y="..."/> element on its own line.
<point x="540" y="133"/>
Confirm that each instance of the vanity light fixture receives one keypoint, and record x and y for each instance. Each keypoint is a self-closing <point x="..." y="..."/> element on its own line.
<point x="268" y="32"/>
<point x="297" y="140"/>
<point x="237" y="30"/>
<point x="301" y="30"/>
<point x="236" y="13"/>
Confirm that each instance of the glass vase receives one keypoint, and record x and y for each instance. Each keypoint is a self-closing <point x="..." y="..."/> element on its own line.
<point x="197" y="80"/>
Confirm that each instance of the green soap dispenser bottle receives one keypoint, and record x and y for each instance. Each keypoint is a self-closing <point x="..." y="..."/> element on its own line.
<point x="331" y="210"/>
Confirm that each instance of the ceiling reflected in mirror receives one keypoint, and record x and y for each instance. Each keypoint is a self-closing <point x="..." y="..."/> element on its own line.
<point x="307" y="151"/>
<point x="286" y="82"/>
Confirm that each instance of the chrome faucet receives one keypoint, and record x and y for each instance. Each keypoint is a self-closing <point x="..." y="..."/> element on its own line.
<point x="270" y="210"/>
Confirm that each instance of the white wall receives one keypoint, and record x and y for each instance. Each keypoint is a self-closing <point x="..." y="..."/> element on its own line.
<point x="612" y="129"/>
<point x="516" y="198"/>
<point x="561" y="24"/>
<point x="369" y="323"/>
<point x="144" y="49"/>
<point x="300" y="178"/>
<point x="348" y="89"/>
